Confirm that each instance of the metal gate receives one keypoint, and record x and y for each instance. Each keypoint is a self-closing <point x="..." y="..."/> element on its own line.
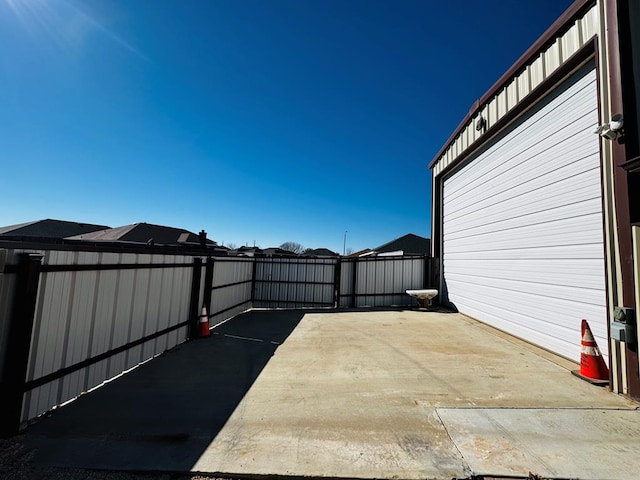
<point x="295" y="282"/>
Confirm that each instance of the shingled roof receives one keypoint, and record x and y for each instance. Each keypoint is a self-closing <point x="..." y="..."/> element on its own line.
<point x="321" y="252"/>
<point x="49" y="228"/>
<point x="144" y="233"/>
<point x="409" y="244"/>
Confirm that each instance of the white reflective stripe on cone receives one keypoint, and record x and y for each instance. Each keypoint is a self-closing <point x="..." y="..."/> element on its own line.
<point x="591" y="351"/>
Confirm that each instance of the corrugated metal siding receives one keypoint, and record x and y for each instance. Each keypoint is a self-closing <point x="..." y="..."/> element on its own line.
<point x="540" y="68"/>
<point x="294" y="282"/>
<point x="82" y="314"/>
<point x="227" y="298"/>
<point x="522" y="231"/>
<point x="87" y="312"/>
<point x="383" y="281"/>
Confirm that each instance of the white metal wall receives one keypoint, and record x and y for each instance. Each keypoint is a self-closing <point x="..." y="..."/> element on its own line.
<point x="82" y="314"/>
<point x="522" y="225"/>
<point x="231" y="288"/>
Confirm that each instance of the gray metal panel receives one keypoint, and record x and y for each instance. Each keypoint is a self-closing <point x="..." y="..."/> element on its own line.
<point x="228" y="292"/>
<point x="231" y="271"/>
<point x="83" y="314"/>
<point x="280" y="282"/>
<point x="181" y="302"/>
<point x="138" y="311"/>
<point x="49" y="325"/>
<point x="387" y="275"/>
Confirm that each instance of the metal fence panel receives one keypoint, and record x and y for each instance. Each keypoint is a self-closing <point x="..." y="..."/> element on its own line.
<point x="227" y="271"/>
<point x="83" y="314"/>
<point x="383" y="281"/>
<point x="295" y="282"/>
<point x="232" y="280"/>
<point x="98" y="314"/>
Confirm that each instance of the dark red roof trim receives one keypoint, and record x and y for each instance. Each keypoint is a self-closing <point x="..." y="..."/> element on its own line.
<point x="557" y="29"/>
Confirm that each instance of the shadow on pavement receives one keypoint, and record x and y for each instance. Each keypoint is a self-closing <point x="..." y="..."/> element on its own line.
<point x="164" y="414"/>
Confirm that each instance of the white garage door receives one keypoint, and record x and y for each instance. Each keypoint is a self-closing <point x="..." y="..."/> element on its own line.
<point x="523" y="233"/>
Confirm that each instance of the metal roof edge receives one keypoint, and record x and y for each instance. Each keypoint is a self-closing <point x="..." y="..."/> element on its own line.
<point x="575" y="10"/>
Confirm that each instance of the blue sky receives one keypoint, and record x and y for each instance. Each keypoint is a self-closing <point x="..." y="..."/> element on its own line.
<point x="265" y="121"/>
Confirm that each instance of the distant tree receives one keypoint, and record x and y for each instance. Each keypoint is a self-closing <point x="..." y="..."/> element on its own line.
<point x="349" y="251"/>
<point x="231" y="246"/>
<point x="307" y="250"/>
<point x="292" y="247"/>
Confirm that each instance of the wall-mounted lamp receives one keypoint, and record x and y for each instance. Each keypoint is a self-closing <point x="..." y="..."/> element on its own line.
<point x="481" y="124"/>
<point x="613" y="129"/>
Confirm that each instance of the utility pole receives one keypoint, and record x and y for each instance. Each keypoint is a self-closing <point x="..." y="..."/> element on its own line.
<point x="344" y="245"/>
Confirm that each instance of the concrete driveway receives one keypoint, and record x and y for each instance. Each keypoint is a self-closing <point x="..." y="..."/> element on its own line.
<point x="357" y="394"/>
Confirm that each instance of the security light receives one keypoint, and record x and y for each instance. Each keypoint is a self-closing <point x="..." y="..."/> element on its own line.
<point x="613" y="129"/>
<point x="616" y="123"/>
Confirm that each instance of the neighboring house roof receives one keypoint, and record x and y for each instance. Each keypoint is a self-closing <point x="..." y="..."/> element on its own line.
<point x="144" y="233"/>
<point x="276" y="251"/>
<point x="49" y="228"/>
<point x="362" y="253"/>
<point x="410" y="244"/>
<point x="321" y="252"/>
<point x="245" y="251"/>
<point x="249" y="249"/>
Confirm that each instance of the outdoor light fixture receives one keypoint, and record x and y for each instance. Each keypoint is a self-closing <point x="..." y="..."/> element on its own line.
<point x="616" y="123"/>
<point x="613" y="129"/>
<point x="481" y="124"/>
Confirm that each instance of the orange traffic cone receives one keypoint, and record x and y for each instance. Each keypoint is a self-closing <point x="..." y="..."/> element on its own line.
<point x="592" y="366"/>
<point x="204" y="322"/>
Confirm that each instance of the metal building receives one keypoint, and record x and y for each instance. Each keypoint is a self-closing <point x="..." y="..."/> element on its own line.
<point x="533" y="194"/>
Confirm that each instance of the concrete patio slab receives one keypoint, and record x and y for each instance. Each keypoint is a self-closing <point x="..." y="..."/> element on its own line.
<point x="556" y="443"/>
<point x="359" y="394"/>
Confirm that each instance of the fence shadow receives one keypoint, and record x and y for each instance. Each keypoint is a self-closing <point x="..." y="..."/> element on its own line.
<point x="164" y="414"/>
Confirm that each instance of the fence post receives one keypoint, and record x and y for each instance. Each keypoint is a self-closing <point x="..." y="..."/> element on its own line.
<point x="435" y="272"/>
<point x="253" y="280"/>
<point x="208" y="285"/>
<point x="354" y="283"/>
<point x="195" y="298"/>
<point x="19" y="333"/>
<point x="426" y="281"/>
<point x="336" y="281"/>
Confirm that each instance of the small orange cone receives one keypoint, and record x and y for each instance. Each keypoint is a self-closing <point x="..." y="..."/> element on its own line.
<point x="592" y="366"/>
<point x="204" y="322"/>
